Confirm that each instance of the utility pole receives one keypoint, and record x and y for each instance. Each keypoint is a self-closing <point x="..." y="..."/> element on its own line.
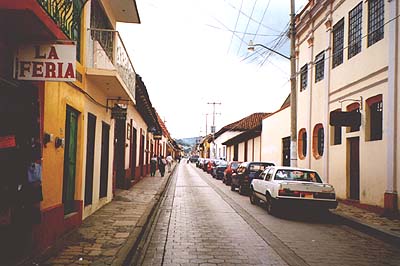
<point x="293" y="91"/>
<point x="206" y="122"/>
<point x="213" y="126"/>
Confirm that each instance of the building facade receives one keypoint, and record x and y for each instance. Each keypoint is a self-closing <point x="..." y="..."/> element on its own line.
<point x="347" y="72"/>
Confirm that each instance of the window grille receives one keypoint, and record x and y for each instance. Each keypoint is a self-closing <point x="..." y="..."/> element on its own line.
<point x="338" y="42"/>
<point x="375" y="21"/>
<point x="376" y="111"/>
<point x="303" y="77"/>
<point x="319" y="66"/>
<point x="355" y="31"/>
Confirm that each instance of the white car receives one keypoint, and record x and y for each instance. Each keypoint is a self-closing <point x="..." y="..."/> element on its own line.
<point x="280" y="186"/>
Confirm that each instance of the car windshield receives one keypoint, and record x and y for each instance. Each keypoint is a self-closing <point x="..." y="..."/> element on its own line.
<point x="258" y="167"/>
<point x="297" y="175"/>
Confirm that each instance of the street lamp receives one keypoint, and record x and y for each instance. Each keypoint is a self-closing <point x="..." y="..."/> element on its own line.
<point x="293" y="92"/>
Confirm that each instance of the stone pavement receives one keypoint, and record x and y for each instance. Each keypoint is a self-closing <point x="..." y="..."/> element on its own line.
<point x="108" y="235"/>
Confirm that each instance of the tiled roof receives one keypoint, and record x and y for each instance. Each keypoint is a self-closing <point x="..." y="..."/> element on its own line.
<point x="244" y="124"/>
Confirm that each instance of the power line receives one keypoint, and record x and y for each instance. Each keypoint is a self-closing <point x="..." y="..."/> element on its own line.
<point x="246" y="33"/>
<point x="237" y="20"/>
<point x="247" y="26"/>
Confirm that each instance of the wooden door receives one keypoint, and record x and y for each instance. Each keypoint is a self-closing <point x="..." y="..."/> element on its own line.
<point x="119" y="152"/>
<point x="354" y="168"/>
<point x="71" y="131"/>
<point x="133" y="151"/>
<point x="91" y="133"/>
<point x="105" y="151"/>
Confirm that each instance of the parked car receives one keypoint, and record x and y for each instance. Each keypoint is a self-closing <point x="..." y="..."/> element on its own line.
<point x="199" y="163"/>
<point x="193" y="158"/>
<point x="205" y="164"/>
<point x="284" y="186"/>
<point x="245" y="174"/>
<point x="230" y="169"/>
<point x="218" y="169"/>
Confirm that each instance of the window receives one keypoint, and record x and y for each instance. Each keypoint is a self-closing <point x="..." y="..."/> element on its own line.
<point x="355" y="26"/>
<point x="319" y="66"/>
<point x="375" y="105"/>
<point x="302" y="144"/>
<point x="375" y="21"/>
<point x="318" y="141"/>
<point x="269" y="175"/>
<point x="354" y="107"/>
<point x="303" y="77"/>
<point x="338" y="42"/>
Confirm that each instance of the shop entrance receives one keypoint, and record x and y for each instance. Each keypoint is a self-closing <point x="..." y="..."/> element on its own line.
<point x="19" y="146"/>
<point x="71" y="131"/>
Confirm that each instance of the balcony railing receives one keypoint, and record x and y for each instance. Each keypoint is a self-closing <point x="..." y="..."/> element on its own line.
<point x="66" y="14"/>
<point x="108" y="52"/>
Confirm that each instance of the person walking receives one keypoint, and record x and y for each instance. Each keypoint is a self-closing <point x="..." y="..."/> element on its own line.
<point x="161" y="165"/>
<point x="169" y="162"/>
<point x="153" y="165"/>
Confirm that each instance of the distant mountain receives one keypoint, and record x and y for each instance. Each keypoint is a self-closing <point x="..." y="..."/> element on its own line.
<point x="188" y="141"/>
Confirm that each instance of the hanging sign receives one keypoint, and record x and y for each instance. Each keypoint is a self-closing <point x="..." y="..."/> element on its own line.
<point x="47" y="62"/>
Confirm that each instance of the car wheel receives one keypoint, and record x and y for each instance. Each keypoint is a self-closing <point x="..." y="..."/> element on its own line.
<point x="232" y="187"/>
<point x="269" y="205"/>
<point x="253" y="198"/>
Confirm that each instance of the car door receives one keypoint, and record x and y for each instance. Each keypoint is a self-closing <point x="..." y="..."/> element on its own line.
<point x="257" y="182"/>
<point x="267" y="184"/>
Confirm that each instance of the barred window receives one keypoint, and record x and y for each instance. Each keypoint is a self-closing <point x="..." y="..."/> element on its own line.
<point x="319" y="66"/>
<point x="318" y="141"/>
<point x="338" y="43"/>
<point x="355" y="27"/>
<point x="375" y="117"/>
<point x="375" y="21"/>
<point x="302" y="144"/>
<point x="303" y="77"/>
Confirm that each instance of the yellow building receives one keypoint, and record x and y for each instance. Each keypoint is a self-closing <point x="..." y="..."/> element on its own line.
<point x="348" y="66"/>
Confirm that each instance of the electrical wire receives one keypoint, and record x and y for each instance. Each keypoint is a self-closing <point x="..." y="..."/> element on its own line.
<point x="237" y="20"/>
<point x="247" y="26"/>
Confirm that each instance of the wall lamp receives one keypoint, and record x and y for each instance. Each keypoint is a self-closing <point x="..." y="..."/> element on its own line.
<point x="252" y="46"/>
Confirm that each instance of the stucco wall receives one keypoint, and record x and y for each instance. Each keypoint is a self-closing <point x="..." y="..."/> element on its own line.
<point x="274" y="129"/>
<point x="57" y="96"/>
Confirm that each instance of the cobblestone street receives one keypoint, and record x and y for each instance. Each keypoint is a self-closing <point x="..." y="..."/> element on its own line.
<point x="202" y="222"/>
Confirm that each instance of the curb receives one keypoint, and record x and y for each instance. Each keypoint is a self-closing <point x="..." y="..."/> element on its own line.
<point x="132" y="250"/>
<point x="357" y="224"/>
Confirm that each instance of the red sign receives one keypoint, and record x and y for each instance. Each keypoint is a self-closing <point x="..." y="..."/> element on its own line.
<point x="7" y="142"/>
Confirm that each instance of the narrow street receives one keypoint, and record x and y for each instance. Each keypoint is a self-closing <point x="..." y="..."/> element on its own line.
<point x="202" y="222"/>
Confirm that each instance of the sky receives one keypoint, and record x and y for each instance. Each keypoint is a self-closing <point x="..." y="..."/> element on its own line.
<point x="191" y="53"/>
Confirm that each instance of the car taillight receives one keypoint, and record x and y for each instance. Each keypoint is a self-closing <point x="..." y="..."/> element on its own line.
<point x="288" y="193"/>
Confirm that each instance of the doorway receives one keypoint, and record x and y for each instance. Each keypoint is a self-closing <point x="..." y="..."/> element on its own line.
<point x="286" y="151"/>
<point x="105" y="151"/>
<point x="71" y="134"/>
<point x="133" y="151"/>
<point x="354" y="168"/>
<point x="91" y="133"/>
<point x="119" y="152"/>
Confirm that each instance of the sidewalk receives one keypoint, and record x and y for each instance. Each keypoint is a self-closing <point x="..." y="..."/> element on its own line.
<point x="387" y="229"/>
<point x="107" y="236"/>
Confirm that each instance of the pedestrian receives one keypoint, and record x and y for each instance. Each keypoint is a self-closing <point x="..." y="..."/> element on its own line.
<point x="153" y="165"/>
<point x="169" y="162"/>
<point x="161" y="165"/>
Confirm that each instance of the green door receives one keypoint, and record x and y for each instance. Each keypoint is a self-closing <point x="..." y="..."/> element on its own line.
<point x="71" y="128"/>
